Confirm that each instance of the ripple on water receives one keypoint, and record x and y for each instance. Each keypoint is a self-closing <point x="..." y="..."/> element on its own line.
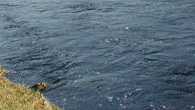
<point x="103" y="54"/>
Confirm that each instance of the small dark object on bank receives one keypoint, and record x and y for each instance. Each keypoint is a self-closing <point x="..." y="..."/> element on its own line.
<point x="39" y="86"/>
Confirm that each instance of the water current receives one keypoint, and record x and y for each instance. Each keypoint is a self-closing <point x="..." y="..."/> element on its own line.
<point x="102" y="54"/>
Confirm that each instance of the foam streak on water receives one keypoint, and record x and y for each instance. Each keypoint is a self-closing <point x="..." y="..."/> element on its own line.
<point x="114" y="54"/>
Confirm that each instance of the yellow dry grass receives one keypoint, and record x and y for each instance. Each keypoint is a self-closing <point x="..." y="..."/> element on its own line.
<point x="3" y="71"/>
<point x="17" y="97"/>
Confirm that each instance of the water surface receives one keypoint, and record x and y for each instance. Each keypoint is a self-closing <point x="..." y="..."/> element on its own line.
<point x="114" y="54"/>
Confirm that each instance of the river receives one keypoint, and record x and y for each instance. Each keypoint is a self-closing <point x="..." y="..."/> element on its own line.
<point x="102" y="54"/>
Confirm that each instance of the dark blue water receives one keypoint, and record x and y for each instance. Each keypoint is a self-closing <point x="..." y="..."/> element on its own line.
<point x="98" y="54"/>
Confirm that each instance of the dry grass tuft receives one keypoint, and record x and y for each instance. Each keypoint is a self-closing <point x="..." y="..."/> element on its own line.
<point x="3" y="71"/>
<point x="17" y="97"/>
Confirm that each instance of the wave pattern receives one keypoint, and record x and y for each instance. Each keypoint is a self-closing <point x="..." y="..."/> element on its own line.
<point x="102" y="54"/>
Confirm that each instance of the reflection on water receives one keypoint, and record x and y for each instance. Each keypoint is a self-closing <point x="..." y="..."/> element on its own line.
<point x="103" y="54"/>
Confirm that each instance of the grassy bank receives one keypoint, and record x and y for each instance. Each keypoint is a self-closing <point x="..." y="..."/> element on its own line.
<point x="17" y="97"/>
